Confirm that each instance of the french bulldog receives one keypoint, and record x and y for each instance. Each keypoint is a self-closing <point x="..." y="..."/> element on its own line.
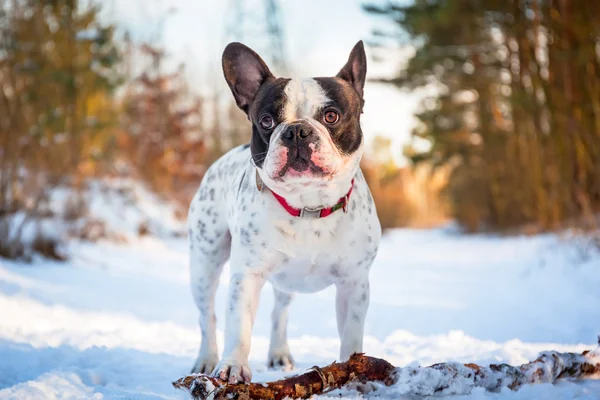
<point x="291" y="208"/>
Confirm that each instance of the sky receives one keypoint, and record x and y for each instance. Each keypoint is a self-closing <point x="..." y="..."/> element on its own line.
<point x="318" y="36"/>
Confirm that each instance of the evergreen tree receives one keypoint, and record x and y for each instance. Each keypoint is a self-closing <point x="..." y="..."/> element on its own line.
<point x="516" y="110"/>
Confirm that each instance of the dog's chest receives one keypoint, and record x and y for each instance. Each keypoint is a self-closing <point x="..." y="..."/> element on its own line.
<point x="295" y="253"/>
<point x="312" y="255"/>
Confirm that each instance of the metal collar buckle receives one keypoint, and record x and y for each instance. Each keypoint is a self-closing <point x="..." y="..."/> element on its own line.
<point x="311" y="213"/>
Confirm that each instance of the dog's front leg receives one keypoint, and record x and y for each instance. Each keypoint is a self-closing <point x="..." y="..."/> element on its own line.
<point x="352" y="302"/>
<point x="244" y="293"/>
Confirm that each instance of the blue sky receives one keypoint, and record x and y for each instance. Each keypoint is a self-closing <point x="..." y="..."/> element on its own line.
<point x="319" y="35"/>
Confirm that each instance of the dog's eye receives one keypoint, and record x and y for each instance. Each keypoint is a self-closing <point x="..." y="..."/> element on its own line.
<point x="267" y="122"/>
<point x="331" y="117"/>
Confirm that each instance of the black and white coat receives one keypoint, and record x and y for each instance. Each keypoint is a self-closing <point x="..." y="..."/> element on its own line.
<point x="298" y="151"/>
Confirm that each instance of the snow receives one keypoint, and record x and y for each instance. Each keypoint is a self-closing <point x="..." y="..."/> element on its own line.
<point x="118" y="320"/>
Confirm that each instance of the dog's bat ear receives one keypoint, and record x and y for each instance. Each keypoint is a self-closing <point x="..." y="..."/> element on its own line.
<point x="244" y="72"/>
<point x="355" y="70"/>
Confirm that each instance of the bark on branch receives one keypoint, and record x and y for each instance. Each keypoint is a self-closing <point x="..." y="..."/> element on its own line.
<point x="315" y="381"/>
<point x="440" y="379"/>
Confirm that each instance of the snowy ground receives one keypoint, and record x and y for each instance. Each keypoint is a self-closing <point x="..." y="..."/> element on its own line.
<point x="118" y="321"/>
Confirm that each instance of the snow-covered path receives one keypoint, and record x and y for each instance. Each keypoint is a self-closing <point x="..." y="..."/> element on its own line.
<point x="118" y="321"/>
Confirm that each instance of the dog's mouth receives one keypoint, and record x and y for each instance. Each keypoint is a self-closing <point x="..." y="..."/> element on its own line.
<point x="310" y="175"/>
<point x="301" y="165"/>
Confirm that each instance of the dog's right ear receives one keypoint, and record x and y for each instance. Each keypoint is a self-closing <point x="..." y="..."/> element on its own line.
<point x="244" y="72"/>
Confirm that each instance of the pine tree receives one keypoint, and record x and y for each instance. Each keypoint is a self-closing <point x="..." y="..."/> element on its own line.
<point x="516" y="110"/>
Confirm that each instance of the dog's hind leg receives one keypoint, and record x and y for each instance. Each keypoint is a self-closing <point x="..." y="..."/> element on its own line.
<point x="209" y="249"/>
<point x="279" y="351"/>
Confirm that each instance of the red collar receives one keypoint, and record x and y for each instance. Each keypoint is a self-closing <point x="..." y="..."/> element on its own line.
<point x="316" y="212"/>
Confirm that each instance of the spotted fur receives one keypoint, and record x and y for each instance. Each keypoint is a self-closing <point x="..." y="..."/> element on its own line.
<point x="231" y="218"/>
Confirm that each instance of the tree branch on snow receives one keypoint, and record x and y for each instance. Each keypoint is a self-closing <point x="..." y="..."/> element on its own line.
<point x="315" y="381"/>
<point x="440" y="379"/>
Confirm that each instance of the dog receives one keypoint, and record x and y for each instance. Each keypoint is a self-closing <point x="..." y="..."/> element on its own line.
<point x="291" y="208"/>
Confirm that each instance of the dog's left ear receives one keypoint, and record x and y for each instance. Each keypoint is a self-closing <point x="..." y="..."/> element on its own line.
<point x="245" y="72"/>
<point x="355" y="70"/>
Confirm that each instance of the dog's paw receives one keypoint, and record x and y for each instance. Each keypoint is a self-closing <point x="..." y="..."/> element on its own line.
<point x="233" y="372"/>
<point x="281" y="360"/>
<point x="205" y="364"/>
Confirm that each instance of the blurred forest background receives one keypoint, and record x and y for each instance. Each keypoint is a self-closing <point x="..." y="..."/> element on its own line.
<point x="507" y="139"/>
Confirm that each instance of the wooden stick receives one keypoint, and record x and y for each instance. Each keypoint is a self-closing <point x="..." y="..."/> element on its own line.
<point x="317" y="380"/>
<point x="444" y="378"/>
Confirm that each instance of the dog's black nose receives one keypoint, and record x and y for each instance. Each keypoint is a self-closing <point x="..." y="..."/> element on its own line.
<point x="296" y="132"/>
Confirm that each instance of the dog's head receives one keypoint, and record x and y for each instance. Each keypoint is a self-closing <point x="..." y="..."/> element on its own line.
<point x="306" y="132"/>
